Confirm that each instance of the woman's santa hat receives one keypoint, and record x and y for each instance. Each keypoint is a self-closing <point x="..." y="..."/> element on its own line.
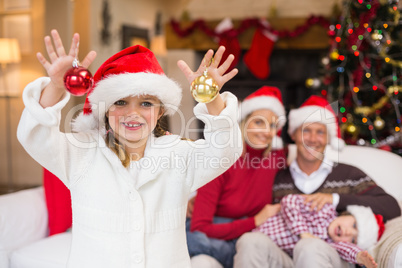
<point x="133" y="71"/>
<point x="369" y="225"/>
<point x="269" y="98"/>
<point x="317" y="109"/>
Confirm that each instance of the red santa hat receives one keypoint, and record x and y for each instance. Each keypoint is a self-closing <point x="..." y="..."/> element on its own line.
<point x="266" y="98"/>
<point x="317" y="109"/>
<point x="133" y="71"/>
<point x="369" y="225"/>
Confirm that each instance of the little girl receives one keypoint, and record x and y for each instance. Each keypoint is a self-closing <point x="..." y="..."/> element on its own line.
<point x="351" y="233"/>
<point x="129" y="182"/>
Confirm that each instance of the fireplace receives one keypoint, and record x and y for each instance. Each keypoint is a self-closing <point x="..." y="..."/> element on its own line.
<point x="289" y="71"/>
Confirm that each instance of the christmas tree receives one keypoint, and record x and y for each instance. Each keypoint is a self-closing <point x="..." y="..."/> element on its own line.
<point x="363" y="72"/>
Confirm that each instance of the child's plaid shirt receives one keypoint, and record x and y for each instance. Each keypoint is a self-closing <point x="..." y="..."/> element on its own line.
<point x="295" y="218"/>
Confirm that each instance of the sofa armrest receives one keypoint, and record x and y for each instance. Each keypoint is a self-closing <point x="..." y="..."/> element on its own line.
<point x="23" y="218"/>
<point x="387" y="252"/>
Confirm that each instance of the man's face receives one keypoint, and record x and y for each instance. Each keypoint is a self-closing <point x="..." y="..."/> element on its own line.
<point x="310" y="139"/>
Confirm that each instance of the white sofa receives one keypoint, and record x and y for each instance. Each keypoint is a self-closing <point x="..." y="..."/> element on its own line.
<point x="23" y="216"/>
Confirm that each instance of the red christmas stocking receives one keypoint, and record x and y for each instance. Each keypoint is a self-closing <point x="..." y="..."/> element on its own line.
<point x="228" y="39"/>
<point x="257" y="58"/>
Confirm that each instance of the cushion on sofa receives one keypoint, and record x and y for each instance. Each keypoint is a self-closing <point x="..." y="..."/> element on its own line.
<point x="23" y="220"/>
<point x="58" y="202"/>
<point x="51" y="252"/>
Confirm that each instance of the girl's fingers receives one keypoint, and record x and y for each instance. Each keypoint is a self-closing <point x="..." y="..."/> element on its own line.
<point x="43" y="60"/>
<point x="74" y="45"/>
<point x="183" y="66"/>
<point x="58" y="43"/>
<point x="218" y="56"/>
<point x="205" y="61"/>
<point x="229" y="75"/>
<point x="49" y="48"/>
<point x="88" y="59"/>
<point x="186" y="70"/>
<point x="225" y="66"/>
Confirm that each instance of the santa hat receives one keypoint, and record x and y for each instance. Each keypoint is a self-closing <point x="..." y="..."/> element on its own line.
<point x="317" y="109"/>
<point x="370" y="226"/>
<point x="133" y="71"/>
<point x="266" y="98"/>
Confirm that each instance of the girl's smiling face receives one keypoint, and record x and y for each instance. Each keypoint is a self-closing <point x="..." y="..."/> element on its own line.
<point x="132" y="119"/>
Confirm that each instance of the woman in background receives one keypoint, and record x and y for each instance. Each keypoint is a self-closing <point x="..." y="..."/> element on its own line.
<point x="236" y="202"/>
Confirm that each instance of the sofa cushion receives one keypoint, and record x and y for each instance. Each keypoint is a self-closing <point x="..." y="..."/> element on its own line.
<point x="51" y="252"/>
<point x="58" y="202"/>
<point x="23" y="220"/>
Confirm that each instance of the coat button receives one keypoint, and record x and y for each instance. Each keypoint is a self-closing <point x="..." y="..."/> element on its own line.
<point x="138" y="259"/>
<point x="137" y="226"/>
<point x="132" y="196"/>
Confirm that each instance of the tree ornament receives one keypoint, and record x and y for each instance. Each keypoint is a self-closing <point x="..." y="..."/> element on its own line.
<point x="367" y="110"/>
<point x="313" y="83"/>
<point x="334" y="55"/>
<point x="361" y="142"/>
<point x="325" y="61"/>
<point x="376" y="36"/>
<point x="204" y="88"/>
<point x="379" y="123"/>
<point x="351" y="128"/>
<point x="78" y="80"/>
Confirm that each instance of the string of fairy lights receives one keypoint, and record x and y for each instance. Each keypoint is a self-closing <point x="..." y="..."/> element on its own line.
<point x="362" y="47"/>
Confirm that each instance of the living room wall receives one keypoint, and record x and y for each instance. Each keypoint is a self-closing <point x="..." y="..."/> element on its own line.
<point x="85" y="16"/>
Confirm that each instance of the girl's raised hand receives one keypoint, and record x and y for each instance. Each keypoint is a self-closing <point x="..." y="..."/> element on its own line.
<point x="59" y="62"/>
<point x="217" y="73"/>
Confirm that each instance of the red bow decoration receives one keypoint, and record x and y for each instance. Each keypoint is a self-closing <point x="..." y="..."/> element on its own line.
<point x="381" y="226"/>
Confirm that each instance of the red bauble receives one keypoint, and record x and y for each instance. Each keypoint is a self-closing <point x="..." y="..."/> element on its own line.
<point x="78" y="81"/>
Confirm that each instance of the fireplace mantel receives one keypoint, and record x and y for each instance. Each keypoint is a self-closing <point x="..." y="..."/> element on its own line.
<point x="315" y="38"/>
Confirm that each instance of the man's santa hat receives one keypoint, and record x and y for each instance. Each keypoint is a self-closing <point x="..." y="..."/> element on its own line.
<point x="133" y="71"/>
<point x="269" y="98"/>
<point x="317" y="110"/>
<point x="369" y="225"/>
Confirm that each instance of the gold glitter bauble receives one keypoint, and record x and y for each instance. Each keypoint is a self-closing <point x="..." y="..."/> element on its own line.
<point x="204" y="88"/>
